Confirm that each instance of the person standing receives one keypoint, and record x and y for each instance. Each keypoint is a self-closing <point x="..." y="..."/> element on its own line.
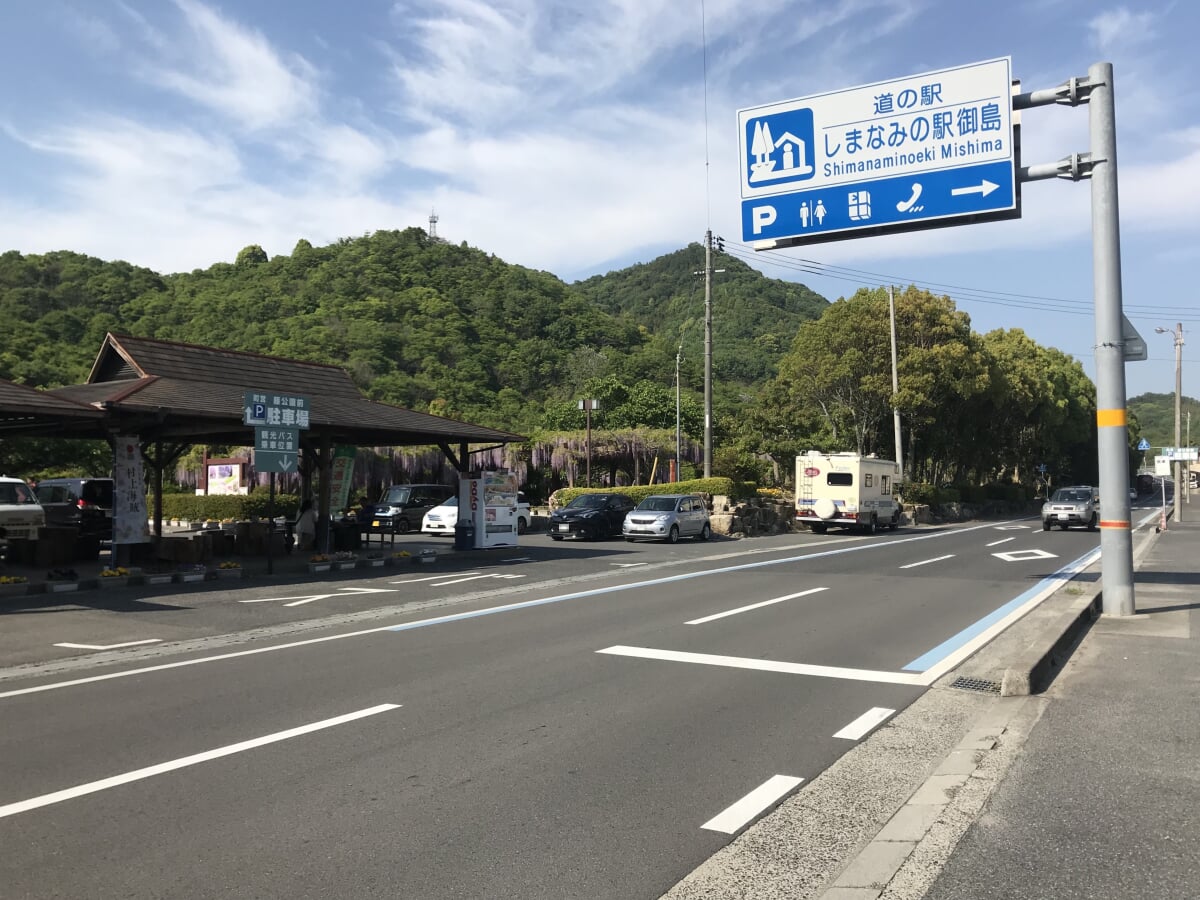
<point x="306" y="526"/>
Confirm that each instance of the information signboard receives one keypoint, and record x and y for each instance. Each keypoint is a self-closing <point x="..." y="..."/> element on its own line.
<point x="914" y="152"/>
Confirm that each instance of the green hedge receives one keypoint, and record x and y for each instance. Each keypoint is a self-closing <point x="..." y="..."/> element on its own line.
<point x="640" y="492"/>
<point x="198" y="507"/>
<point x="978" y="494"/>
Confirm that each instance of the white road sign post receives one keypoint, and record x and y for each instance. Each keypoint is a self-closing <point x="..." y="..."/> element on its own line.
<point x="916" y="152"/>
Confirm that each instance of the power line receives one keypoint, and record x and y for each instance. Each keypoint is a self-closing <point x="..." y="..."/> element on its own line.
<point x="960" y="292"/>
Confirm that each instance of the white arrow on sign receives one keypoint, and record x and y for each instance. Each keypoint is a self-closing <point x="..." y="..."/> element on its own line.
<point x="984" y="188"/>
<point x="300" y="601"/>
<point x="287" y="463"/>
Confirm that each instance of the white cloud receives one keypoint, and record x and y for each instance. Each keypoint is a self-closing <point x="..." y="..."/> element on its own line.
<point x="235" y="72"/>
<point x="1121" y="27"/>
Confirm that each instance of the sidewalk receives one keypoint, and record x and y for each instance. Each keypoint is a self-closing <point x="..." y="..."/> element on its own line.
<point x="1104" y="798"/>
<point x="1088" y="790"/>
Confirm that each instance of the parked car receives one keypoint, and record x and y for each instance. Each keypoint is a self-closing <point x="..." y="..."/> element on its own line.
<point x="590" y="516"/>
<point x="441" y="519"/>
<point x="403" y="506"/>
<point x="82" y="503"/>
<point x="668" y="517"/>
<point x="20" y="513"/>
<point x="1075" y="505"/>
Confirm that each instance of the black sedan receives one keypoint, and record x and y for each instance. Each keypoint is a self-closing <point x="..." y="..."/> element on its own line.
<point x="590" y="516"/>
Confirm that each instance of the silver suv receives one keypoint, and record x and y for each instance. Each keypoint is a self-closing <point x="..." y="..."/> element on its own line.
<point x="1075" y="505"/>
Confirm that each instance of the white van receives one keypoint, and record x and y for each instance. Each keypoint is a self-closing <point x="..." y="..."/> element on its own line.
<point x="21" y="515"/>
<point x="846" y="489"/>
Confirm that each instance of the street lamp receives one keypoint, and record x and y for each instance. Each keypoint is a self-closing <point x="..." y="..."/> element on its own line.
<point x="1176" y="468"/>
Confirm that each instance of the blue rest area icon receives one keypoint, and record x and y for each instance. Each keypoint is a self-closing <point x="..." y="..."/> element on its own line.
<point x="781" y="148"/>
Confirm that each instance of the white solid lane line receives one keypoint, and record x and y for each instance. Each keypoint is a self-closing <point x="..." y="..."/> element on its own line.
<point x="429" y="578"/>
<point x="461" y="580"/>
<point x="741" y="609"/>
<point x="997" y="543"/>
<point x="926" y="562"/>
<point x="110" y="646"/>
<point x="171" y="765"/>
<point x="768" y="665"/>
<point x="752" y="805"/>
<point x="864" y="723"/>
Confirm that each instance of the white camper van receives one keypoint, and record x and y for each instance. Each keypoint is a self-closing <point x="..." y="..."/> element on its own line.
<point x="845" y="489"/>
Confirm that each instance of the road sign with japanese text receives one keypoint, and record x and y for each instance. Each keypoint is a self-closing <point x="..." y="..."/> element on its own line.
<point x="275" y="409"/>
<point x="915" y="152"/>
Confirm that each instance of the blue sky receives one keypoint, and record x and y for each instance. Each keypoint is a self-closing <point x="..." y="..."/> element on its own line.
<point x="578" y="138"/>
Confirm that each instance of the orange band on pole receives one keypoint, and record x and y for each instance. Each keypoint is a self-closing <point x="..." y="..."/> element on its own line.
<point x="1108" y="418"/>
<point x="1113" y="523"/>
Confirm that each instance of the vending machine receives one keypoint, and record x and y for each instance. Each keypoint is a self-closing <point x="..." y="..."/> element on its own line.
<point x="487" y="503"/>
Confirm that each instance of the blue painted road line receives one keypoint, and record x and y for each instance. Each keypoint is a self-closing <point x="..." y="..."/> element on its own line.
<point x="941" y="651"/>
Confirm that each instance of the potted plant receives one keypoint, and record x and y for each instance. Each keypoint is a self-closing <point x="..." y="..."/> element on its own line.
<point x="319" y="562"/>
<point x="229" y="569"/>
<point x="345" y="559"/>
<point x="114" y="577"/>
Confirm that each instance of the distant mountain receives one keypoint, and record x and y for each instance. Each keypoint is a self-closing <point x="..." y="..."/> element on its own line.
<point x="1156" y="416"/>
<point x="754" y="317"/>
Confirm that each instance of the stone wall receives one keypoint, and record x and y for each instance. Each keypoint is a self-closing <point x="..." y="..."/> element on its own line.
<point x="748" y="518"/>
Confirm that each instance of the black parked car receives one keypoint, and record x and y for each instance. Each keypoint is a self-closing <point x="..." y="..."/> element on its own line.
<point x="403" y="506"/>
<point x="590" y="516"/>
<point x="83" y="503"/>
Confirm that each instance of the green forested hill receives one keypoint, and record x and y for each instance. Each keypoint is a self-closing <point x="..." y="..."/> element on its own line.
<point x="754" y="318"/>
<point x="1156" y="416"/>
<point x="418" y="322"/>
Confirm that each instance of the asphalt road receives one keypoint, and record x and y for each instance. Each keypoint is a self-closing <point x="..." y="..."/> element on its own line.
<point x="595" y="727"/>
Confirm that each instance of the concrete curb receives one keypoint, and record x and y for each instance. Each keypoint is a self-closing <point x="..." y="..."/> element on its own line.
<point x="1035" y="666"/>
<point x="1042" y="657"/>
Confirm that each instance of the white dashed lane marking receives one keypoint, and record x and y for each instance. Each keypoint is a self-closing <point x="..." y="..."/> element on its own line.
<point x="865" y="723"/>
<point x="753" y="804"/>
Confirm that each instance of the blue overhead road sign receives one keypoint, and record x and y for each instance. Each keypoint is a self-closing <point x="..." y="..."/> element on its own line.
<point x="914" y="152"/>
<point x="856" y="206"/>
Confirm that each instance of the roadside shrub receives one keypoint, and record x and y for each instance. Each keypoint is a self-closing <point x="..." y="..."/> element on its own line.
<point x="199" y="508"/>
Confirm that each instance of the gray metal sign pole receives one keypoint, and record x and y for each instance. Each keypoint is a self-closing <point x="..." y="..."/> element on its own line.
<point x="1116" y="536"/>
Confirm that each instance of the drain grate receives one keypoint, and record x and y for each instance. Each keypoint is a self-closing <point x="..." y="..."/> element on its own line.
<point x="976" y="684"/>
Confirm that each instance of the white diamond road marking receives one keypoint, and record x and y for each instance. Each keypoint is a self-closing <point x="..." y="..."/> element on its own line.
<point x="1025" y="555"/>
<point x="1011" y="527"/>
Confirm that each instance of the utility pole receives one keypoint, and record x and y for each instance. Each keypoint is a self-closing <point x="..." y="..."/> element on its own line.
<point x="708" y="274"/>
<point x="708" y="353"/>
<point x="895" y="384"/>
<point x="678" y="356"/>
<point x="1177" y="467"/>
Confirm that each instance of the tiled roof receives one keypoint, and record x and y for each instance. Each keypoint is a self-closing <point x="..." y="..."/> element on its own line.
<point x="23" y="408"/>
<point x="190" y="391"/>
